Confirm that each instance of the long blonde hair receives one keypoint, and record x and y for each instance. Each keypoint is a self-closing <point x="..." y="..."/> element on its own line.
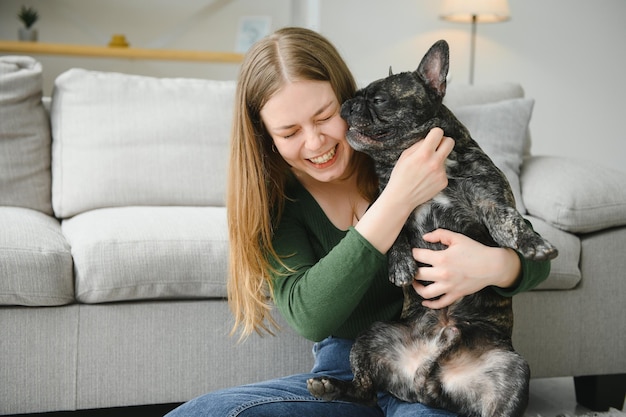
<point x="257" y="173"/>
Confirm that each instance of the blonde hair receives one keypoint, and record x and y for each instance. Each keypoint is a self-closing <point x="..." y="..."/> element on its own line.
<point x="257" y="174"/>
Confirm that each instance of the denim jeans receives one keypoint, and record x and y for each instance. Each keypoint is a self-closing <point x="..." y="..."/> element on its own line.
<point x="288" y="396"/>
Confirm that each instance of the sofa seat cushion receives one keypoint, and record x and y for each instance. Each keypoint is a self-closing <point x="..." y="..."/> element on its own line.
<point x="35" y="260"/>
<point x="24" y="136"/>
<point x="565" y="269"/>
<point x="142" y="253"/>
<point x="128" y="140"/>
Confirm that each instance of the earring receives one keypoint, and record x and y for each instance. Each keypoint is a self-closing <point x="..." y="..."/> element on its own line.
<point x="274" y="148"/>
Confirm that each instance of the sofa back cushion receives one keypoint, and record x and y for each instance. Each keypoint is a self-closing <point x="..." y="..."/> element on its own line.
<point x="497" y="117"/>
<point x="24" y="136"/>
<point x="124" y="140"/>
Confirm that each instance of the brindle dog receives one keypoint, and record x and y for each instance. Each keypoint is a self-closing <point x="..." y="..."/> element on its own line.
<point x="458" y="358"/>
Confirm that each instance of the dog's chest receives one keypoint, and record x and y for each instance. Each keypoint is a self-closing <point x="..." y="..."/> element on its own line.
<point x="428" y="216"/>
<point x="454" y="207"/>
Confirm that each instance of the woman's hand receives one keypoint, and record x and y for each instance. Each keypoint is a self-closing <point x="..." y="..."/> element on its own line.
<point x="463" y="268"/>
<point x="420" y="172"/>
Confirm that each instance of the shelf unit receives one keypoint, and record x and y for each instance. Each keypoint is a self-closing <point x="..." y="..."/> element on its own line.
<point x="118" y="52"/>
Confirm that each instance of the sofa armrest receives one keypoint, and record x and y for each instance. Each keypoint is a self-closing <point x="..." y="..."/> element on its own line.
<point x="573" y="195"/>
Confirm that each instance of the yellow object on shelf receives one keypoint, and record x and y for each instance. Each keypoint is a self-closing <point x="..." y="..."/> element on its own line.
<point x="108" y="52"/>
<point x="118" y="41"/>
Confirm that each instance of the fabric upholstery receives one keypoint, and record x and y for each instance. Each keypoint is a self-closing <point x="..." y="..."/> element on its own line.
<point x="38" y="359"/>
<point x="35" y="260"/>
<point x="573" y="195"/>
<point x="501" y="130"/>
<point x="122" y="140"/>
<point x="138" y="253"/>
<point x="24" y="136"/>
<point x="168" y="351"/>
<point x="458" y="95"/>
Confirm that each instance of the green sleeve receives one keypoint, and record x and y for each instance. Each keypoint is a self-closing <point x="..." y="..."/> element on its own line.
<point x="328" y="272"/>
<point x="533" y="273"/>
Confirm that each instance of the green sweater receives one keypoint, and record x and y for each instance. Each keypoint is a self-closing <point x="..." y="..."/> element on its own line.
<point x="338" y="283"/>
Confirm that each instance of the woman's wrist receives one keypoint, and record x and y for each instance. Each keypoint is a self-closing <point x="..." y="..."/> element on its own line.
<point x="382" y="222"/>
<point x="510" y="268"/>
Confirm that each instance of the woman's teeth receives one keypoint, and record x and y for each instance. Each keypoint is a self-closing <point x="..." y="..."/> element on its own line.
<point x="324" y="158"/>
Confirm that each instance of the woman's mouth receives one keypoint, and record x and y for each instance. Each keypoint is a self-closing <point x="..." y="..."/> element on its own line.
<point x="324" y="159"/>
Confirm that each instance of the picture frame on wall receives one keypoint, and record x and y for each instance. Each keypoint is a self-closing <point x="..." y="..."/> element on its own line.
<point x="250" y="30"/>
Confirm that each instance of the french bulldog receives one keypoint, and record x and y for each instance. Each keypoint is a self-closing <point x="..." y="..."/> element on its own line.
<point x="461" y="357"/>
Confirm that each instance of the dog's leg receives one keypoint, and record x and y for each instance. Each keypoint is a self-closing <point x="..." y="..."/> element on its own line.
<point x="361" y="389"/>
<point x="426" y="382"/>
<point x="331" y="389"/>
<point x="492" y="385"/>
<point x="508" y="228"/>
<point x="402" y="265"/>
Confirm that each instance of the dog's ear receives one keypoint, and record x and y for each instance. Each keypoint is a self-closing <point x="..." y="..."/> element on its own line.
<point x="434" y="67"/>
<point x="390" y="71"/>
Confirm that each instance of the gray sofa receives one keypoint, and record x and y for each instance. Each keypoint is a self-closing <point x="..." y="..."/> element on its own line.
<point x="113" y="243"/>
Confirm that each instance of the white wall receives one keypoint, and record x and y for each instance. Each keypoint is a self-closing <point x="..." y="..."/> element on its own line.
<point x="568" y="55"/>
<point x="182" y="24"/>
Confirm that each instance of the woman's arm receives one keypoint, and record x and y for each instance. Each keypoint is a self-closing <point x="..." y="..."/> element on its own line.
<point x="417" y="177"/>
<point x="467" y="266"/>
<point x="317" y="293"/>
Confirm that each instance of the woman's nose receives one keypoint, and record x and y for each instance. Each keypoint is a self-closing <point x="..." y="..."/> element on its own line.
<point x="314" y="139"/>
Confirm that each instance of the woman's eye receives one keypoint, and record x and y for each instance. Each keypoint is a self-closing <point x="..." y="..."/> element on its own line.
<point x="327" y="118"/>
<point x="290" y="135"/>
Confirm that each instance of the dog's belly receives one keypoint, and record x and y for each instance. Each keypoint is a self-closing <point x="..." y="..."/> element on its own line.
<point x="403" y="362"/>
<point x="415" y="354"/>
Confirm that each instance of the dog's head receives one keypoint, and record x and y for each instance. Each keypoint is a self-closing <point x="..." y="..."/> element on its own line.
<point x="397" y="111"/>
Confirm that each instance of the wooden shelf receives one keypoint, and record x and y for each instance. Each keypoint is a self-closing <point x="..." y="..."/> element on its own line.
<point x="118" y="52"/>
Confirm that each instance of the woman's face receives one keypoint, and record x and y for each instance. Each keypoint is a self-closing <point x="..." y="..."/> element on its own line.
<point x="304" y="122"/>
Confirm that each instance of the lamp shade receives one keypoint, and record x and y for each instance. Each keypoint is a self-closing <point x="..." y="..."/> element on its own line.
<point x="484" y="11"/>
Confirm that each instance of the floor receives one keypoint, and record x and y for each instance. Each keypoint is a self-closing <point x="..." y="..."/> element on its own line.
<point x="550" y="397"/>
<point x="553" y="397"/>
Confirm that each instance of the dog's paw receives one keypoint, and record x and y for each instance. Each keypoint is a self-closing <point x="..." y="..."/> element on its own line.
<point x="323" y="388"/>
<point x="402" y="274"/>
<point x="400" y="280"/>
<point x="536" y="248"/>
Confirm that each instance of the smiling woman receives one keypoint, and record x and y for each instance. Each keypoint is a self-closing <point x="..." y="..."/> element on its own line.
<point x="308" y="231"/>
<point x="303" y="120"/>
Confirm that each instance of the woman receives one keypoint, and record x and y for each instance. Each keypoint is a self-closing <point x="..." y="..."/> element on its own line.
<point x="309" y="232"/>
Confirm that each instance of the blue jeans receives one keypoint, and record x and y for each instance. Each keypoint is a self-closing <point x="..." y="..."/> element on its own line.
<point x="289" y="397"/>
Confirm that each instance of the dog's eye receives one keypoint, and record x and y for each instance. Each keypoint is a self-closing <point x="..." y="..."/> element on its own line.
<point x="379" y="100"/>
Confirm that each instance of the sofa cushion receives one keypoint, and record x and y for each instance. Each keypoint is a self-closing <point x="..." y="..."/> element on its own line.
<point x="35" y="260"/>
<point x="458" y="95"/>
<point x="122" y="140"/>
<point x="24" y="136"/>
<point x="565" y="271"/>
<point x="574" y="195"/>
<point x="138" y="253"/>
<point x="501" y="130"/>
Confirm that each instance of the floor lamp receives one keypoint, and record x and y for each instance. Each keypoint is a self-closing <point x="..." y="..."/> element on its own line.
<point x="475" y="11"/>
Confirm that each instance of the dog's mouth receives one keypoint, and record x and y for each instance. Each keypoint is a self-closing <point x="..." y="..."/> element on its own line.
<point x="374" y="137"/>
